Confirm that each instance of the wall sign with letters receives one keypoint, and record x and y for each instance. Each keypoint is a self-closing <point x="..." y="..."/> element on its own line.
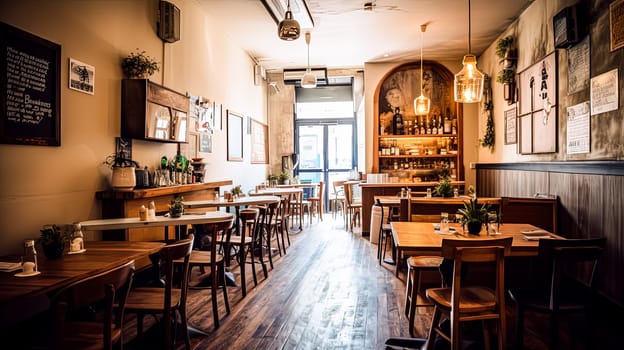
<point x="30" y="101"/>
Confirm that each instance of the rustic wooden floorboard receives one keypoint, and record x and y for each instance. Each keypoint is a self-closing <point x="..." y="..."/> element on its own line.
<point x="327" y="292"/>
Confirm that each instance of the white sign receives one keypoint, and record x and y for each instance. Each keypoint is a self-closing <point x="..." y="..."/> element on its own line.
<point x="604" y="92"/>
<point x="578" y="128"/>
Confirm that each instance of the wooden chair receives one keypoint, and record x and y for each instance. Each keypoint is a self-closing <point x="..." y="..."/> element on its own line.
<point x="238" y="246"/>
<point x="352" y="209"/>
<point x="168" y="301"/>
<point x="416" y="265"/>
<point x="337" y="197"/>
<point x="462" y="302"/>
<point x="104" y="289"/>
<point x="316" y="202"/>
<point x="567" y="285"/>
<point x="385" y="232"/>
<point x="208" y="257"/>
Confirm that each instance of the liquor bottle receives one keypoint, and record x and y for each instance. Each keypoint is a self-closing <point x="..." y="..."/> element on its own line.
<point x="397" y="122"/>
<point x="423" y="129"/>
<point x="416" y="127"/>
<point x="428" y="127"/>
<point x="447" y="122"/>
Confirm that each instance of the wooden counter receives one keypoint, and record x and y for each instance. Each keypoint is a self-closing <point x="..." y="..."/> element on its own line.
<point x="124" y="204"/>
<point x="370" y="190"/>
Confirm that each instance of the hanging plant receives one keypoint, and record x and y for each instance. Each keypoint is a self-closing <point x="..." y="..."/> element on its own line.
<point x="488" y="138"/>
<point x="139" y="65"/>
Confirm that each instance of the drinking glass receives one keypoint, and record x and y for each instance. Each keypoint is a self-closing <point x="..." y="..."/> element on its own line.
<point x="444" y="223"/>
<point x="492" y="223"/>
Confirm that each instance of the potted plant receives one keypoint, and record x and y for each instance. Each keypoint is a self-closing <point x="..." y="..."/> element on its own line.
<point x="139" y="65"/>
<point x="272" y="179"/>
<point x="284" y="178"/>
<point x="444" y="188"/>
<point x="237" y="191"/>
<point x="506" y="51"/>
<point x="473" y="215"/>
<point x="52" y="241"/>
<point x="176" y="207"/>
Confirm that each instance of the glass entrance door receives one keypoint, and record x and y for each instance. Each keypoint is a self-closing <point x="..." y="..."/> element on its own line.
<point x="326" y="153"/>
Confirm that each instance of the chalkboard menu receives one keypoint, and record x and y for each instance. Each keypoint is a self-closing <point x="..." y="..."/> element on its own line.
<point x="30" y="69"/>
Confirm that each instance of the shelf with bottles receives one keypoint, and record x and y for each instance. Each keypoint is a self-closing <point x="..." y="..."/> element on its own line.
<point x="416" y="147"/>
<point x="446" y="155"/>
<point x="425" y="125"/>
<point x="418" y="169"/>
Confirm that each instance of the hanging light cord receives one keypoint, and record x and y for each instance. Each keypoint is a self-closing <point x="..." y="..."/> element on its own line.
<point x="422" y="36"/>
<point x="469" y="29"/>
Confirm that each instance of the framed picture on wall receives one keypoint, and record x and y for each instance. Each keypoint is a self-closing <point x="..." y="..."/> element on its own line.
<point x="234" y="136"/>
<point x="259" y="143"/>
<point x="511" y="130"/>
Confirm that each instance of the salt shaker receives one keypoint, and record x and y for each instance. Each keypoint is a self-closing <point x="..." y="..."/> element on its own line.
<point x="77" y="241"/>
<point x="29" y="260"/>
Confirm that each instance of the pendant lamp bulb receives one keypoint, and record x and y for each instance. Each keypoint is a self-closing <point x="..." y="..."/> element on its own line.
<point x="288" y="29"/>
<point x="308" y="80"/>
<point x="421" y="103"/>
<point x="468" y="86"/>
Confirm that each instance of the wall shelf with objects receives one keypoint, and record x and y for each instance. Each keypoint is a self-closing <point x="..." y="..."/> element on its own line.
<point x="414" y="148"/>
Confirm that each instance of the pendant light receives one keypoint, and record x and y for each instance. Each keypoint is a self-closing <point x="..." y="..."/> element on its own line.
<point x="308" y="80"/>
<point x="469" y="81"/>
<point x="288" y="29"/>
<point x="421" y="103"/>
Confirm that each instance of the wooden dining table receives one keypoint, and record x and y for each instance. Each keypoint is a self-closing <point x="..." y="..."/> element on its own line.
<point x="23" y="297"/>
<point x="421" y="238"/>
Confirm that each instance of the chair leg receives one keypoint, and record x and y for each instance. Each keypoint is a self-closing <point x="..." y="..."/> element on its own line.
<point x="554" y="331"/>
<point x="435" y="320"/>
<point x="242" y="253"/>
<point x="519" y="327"/>
<point x="226" y="300"/>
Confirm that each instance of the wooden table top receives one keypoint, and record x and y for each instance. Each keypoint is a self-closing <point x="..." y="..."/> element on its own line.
<point x="158" y="221"/>
<point x="394" y="200"/>
<point x="237" y="202"/>
<point x="29" y="295"/>
<point x="421" y="237"/>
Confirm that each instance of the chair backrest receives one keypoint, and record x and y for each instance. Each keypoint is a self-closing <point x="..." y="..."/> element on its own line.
<point x="348" y="193"/>
<point x="477" y="251"/>
<point x="108" y="287"/>
<point x="338" y="188"/>
<point x="540" y="212"/>
<point x="321" y="190"/>
<point x="577" y="258"/>
<point x="168" y="254"/>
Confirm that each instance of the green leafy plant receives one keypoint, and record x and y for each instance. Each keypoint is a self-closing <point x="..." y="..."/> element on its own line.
<point x="284" y="176"/>
<point x="272" y="177"/>
<point x="503" y="45"/>
<point x="237" y="190"/>
<point x="506" y="76"/>
<point x="444" y="188"/>
<point x="139" y="64"/>
<point x="472" y="211"/>
<point x="176" y="207"/>
<point x="52" y="240"/>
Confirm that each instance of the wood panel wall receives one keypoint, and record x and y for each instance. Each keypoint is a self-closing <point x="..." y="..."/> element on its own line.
<point x="590" y="205"/>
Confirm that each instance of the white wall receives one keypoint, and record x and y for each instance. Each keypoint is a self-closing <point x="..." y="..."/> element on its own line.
<point x="40" y="185"/>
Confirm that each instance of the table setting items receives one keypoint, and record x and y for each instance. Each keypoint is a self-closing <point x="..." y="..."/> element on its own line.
<point x="29" y="260"/>
<point x="534" y="235"/>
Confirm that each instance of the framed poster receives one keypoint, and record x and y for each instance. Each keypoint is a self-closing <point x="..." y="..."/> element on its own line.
<point x="510" y="127"/>
<point x="81" y="77"/>
<point x="537" y="106"/>
<point x="616" y="24"/>
<point x="259" y="143"/>
<point x="30" y="93"/>
<point x="234" y="136"/>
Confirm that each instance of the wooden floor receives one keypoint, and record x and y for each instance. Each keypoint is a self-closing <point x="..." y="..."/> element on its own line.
<point x="329" y="292"/>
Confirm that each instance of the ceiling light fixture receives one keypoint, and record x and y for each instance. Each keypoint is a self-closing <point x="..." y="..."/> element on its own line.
<point x="308" y="80"/>
<point x="421" y="103"/>
<point x="469" y="81"/>
<point x="288" y="29"/>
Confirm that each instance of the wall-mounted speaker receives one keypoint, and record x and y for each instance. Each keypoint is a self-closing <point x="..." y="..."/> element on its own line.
<point x="168" y="22"/>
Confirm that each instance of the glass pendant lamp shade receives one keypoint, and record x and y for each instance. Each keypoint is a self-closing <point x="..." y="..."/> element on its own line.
<point x="468" y="85"/>
<point x="421" y="103"/>
<point x="288" y="29"/>
<point x="469" y="82"/>
<point x="308" y="80"/>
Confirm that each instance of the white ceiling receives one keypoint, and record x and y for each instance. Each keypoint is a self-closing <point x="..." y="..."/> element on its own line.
<point x="346" y="36"/>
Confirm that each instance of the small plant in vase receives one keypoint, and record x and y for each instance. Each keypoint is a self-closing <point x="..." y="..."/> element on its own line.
<point x="237" y="191"/>
<point x="52" y="240"/>
<point x="444" y="188"/>
<point x="284" y="178"/>
<point x="473" y="215"/>
<point x="139" y="65"/>
<point x="176" y="207"/>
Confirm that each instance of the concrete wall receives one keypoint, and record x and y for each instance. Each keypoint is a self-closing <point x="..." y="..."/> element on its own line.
<point x="40" y="185"/>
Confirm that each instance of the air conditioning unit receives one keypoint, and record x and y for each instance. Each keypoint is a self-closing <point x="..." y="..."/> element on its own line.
<point x="168" y="22"/>
<point x="293" y="76"/>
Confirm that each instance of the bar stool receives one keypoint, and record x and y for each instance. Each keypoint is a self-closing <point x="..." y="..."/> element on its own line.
<point x="242" y="244"/>
<point x="416" y="265"/>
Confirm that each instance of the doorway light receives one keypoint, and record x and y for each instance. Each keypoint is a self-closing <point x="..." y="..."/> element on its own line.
<point x="468" y="84"/>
